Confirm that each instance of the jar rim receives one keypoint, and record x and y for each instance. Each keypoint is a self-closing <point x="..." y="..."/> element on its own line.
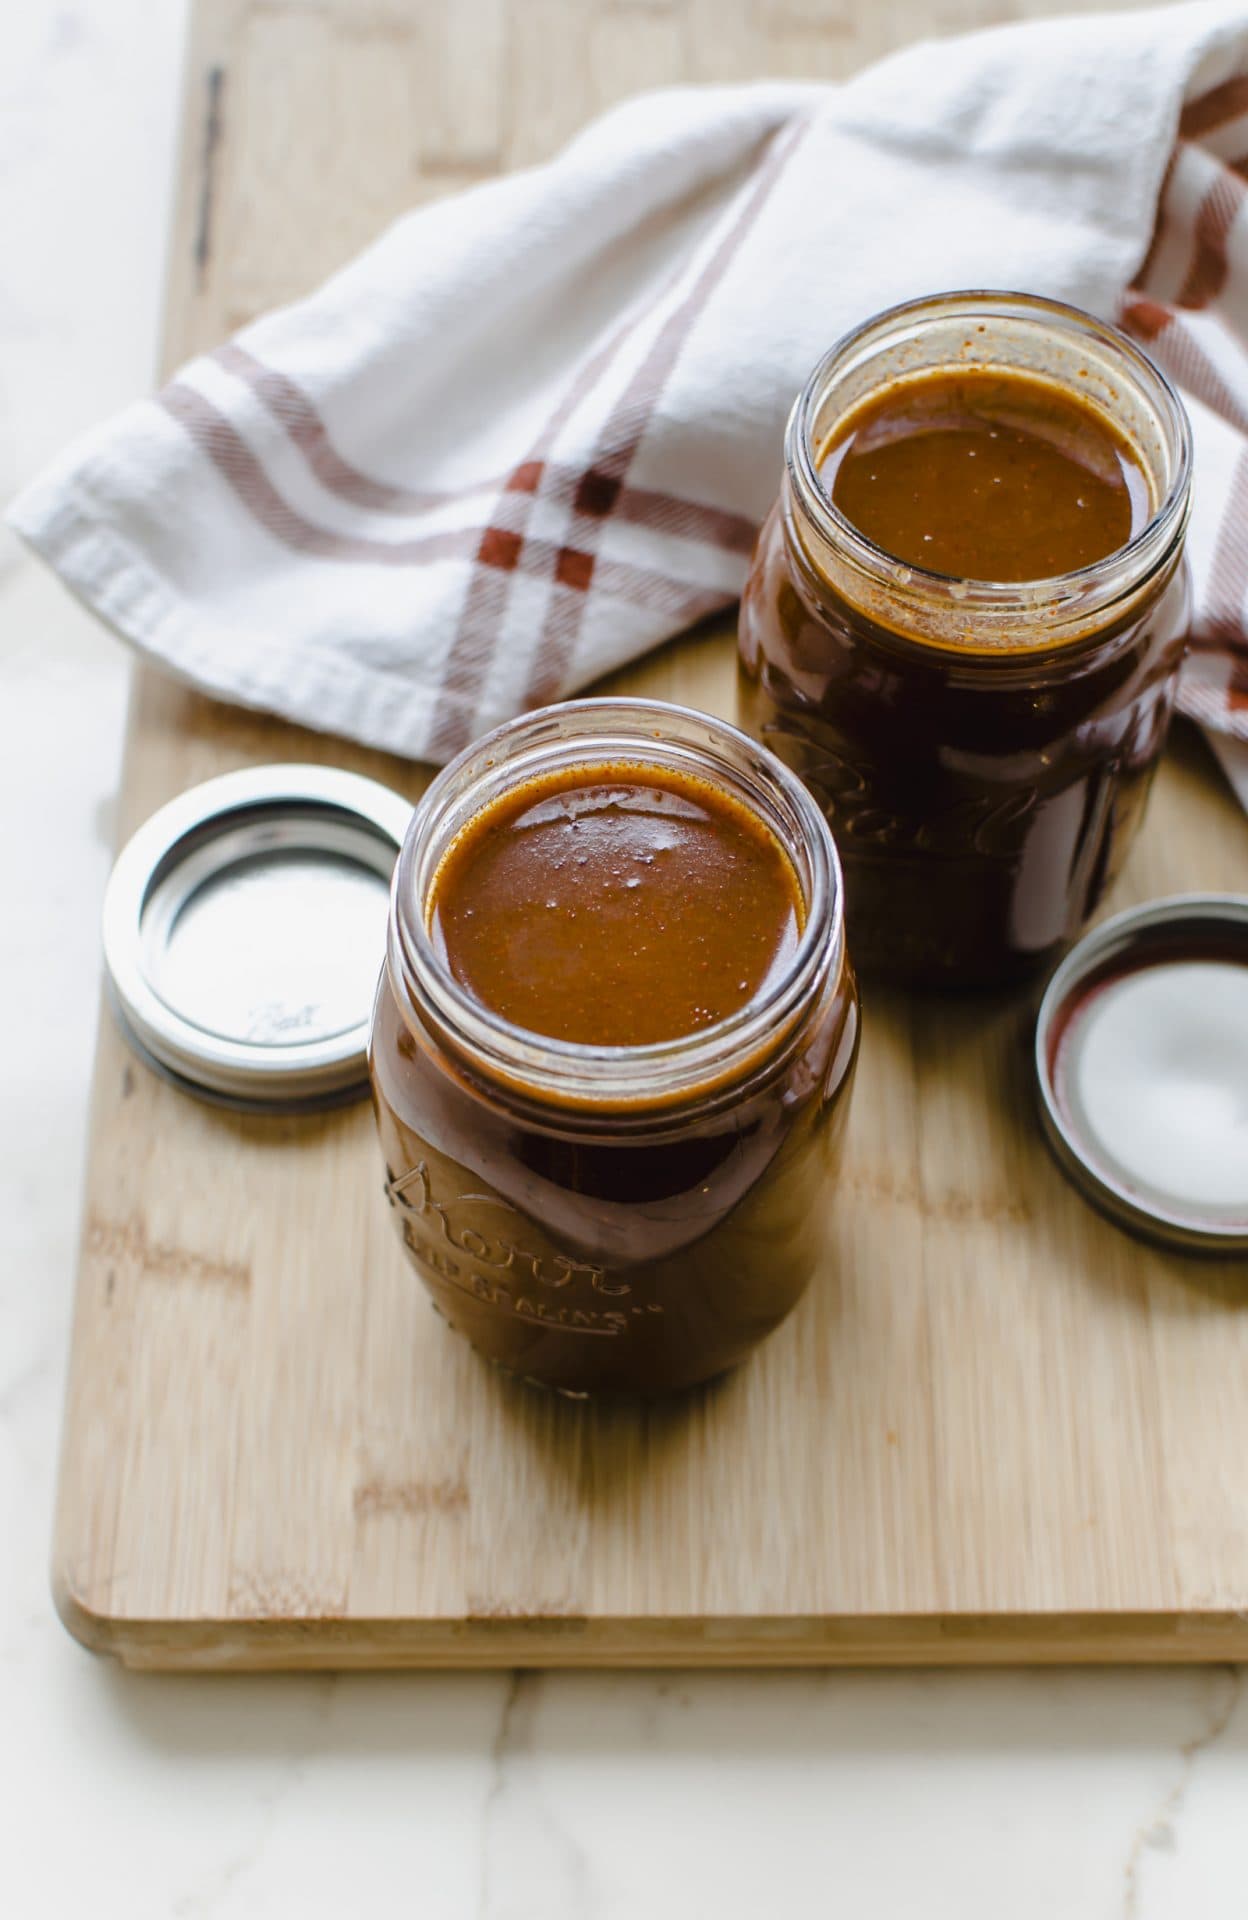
<point x="1084" y="592"/>
<point x="658" y="1074"/>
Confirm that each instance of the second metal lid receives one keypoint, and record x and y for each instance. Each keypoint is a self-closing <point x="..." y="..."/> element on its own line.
<point x="244" y="930"/>
<point x="1142" y="1063"/>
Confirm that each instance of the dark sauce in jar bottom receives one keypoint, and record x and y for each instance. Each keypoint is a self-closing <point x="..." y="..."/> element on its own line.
<point x="979" y="825"/>
<point x="597" y="1265"/>
<point x="594" y="1245"/>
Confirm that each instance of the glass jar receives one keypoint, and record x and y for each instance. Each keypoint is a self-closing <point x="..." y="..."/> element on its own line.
<point x="983" y="751"/>
<point x="614" y="1217"/>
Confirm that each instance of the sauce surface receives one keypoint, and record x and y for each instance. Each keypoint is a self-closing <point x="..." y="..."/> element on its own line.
<point x="615" y="905"/>
<point x="986" y="475"/>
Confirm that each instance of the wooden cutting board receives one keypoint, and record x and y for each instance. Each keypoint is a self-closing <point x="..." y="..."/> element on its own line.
<point x="997" y="1429"/>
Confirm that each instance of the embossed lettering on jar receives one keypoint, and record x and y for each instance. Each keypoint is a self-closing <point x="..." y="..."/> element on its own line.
<point x="982" y="748"/>
<point x="629" y="1216"/>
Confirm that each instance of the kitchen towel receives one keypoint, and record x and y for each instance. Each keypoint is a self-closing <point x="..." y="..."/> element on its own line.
<point x="532" y="431"/>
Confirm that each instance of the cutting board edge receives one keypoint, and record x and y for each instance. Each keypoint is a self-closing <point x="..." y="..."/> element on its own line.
<point x="212" y="290"/>
<point x="1218" y="1635"/>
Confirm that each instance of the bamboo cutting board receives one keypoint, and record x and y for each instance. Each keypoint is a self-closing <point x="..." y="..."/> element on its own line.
<point x="997" y="1430"/>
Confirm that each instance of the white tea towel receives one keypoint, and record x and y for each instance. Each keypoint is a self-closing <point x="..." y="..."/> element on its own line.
<point x="532" y="431"/>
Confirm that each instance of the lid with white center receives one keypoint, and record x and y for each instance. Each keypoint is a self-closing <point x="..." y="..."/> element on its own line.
<point x="1142" y="1062"/>
<point x="244" y="933"/>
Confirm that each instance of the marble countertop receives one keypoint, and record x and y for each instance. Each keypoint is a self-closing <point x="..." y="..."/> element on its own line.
<point x="1084" y="1795"/>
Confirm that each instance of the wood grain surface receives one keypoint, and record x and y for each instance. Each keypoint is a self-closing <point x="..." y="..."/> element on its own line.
<point x="997" y="1429"/>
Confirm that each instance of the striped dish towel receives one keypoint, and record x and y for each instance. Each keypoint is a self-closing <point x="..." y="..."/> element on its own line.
<point x="532" y="431"/>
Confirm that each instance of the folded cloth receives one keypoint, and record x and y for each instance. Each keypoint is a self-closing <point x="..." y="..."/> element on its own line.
<point x="532" y="431"/>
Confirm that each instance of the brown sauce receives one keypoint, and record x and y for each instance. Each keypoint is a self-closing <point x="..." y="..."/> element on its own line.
<point x="985" y="475"/>
<point x="982" y="800"/>
<point x="607" y="1248"/>
<point x="615" y="905"/>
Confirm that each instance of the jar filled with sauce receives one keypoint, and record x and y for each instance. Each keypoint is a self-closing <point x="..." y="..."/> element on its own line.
<point x="965" y="621"/>
<point x="613" y="1044"/>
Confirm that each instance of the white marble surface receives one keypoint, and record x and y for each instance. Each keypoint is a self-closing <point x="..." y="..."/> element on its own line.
<point x="1083" y="1796"/>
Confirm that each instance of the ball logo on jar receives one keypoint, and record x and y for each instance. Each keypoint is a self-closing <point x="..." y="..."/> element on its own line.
<point x="493" y="1267"/>
<point x="987" y="824"/>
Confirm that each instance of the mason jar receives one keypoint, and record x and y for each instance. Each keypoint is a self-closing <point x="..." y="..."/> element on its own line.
<point x="615" y="1217"/>
<point x="982" y="750"/>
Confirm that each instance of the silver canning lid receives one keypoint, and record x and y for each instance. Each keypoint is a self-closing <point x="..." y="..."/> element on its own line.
<point x="1142" y="1064"/>
<point x="245" y="929"/>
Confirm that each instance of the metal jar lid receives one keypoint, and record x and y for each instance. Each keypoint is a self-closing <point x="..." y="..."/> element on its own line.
<point x="1142" y="1064"/>
<point x="244" y="931"/>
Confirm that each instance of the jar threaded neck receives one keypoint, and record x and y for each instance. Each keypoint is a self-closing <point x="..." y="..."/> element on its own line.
<point x="635" y="1079"/>
<point x="1024" y="333"/>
